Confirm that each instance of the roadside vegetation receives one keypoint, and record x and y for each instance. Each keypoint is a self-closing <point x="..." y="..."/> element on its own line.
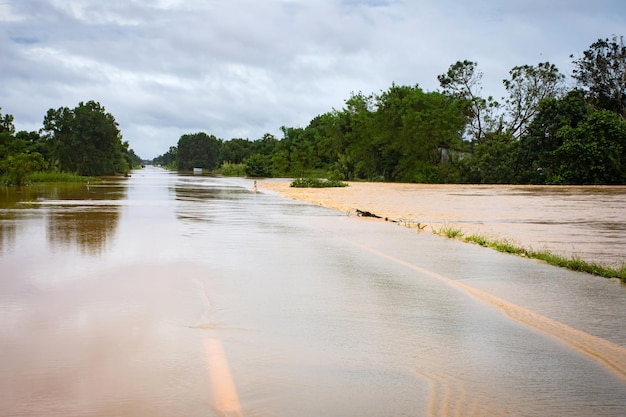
<point x="51" y="176"/>
<point x="549" y="128"/>
<point x="81" y="142"/>
<point x="316" y="183"/>
<point x="503" y="245"/>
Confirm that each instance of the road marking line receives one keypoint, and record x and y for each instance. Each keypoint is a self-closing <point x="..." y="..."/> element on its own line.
<point x="611" y="355"/>
<point x="224" y="391"/>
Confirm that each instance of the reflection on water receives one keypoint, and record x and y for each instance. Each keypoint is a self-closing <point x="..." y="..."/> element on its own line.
<point x="199" y="297"/>
<point x="87" y="228"/>
<point x="80" y="215"/>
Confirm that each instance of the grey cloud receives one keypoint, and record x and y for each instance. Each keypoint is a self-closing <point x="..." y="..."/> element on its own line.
<point x="245" y="67"/>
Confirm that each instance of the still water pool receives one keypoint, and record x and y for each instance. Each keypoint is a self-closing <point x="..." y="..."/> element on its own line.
<point x="171" y="295"/>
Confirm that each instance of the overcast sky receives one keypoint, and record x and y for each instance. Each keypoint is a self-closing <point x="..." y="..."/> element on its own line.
<point x="242" y="68"/>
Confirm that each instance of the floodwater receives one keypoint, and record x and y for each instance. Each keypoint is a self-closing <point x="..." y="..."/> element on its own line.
<point x="168" y="295"/>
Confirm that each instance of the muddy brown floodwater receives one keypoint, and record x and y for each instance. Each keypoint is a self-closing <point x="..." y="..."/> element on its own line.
<point x="588" y="222"/>
<point x="173" y="295"/>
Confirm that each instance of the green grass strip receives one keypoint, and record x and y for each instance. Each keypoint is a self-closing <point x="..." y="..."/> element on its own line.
<point x="573" y="263"/>
<point x="60" y="177"/>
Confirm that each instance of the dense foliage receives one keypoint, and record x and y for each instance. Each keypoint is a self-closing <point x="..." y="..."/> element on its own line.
<point x="540" y="133"/>
<point x="84" y="140"/>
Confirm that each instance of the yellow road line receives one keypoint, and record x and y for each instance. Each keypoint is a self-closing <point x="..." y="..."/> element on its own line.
<point x="609" y="354"/>
<point x="224" y="391"/>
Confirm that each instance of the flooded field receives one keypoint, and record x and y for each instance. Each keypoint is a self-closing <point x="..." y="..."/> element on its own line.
<point x="169" y="295"/>
<point x="574" y="221"/>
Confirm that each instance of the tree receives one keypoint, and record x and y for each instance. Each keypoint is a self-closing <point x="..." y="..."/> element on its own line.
<point x="571" y="142"/>
<point x="85" y="140"/>
<point x="132" y="158"/>
<point x="536" y="158"/>
<point x="493" y="160"/>
<point x="198" y="150"/>
<point x="361" y="141"/>
<point x="463" y="81"/>
<point x="258" y="165"/>
<point x="18" y="156"/>
<point x="6" y="123"/>
<point x="18" y="167"/>
<point x="527" y="87"/>
<point x="298" y="147"/>
<point x="419" y="131"/>
<point x="235" y="150"/>
<point x="168" y="158"/>
<point x="601" y="73"/>
<point x="593" y="152"/>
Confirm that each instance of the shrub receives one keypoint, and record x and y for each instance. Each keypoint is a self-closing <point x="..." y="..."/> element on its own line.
<point x="316" y="183"/>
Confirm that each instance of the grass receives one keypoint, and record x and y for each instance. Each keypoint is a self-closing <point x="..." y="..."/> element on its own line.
<point x="449" y="232"/>
<point x="59" y="177"/>
<point x="316" y="183"/>
<point x="573" y="263"/>
<point x="229" y="169"/>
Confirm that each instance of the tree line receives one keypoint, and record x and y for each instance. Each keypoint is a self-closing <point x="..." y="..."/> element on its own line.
<point x="542" y="132"/>
<point x="84" y="140"/>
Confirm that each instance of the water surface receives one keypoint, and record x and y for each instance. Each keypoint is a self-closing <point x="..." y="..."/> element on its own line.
<point x="168" y="295"/>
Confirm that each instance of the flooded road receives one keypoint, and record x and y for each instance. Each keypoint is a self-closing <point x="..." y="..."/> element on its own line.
<point x="167" y="295"/>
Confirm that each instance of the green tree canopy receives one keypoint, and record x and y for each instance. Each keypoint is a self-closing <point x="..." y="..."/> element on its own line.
<point x="463" y="81"/>
<point x="528" y="86"/>
<point x="85" y="140"/>
<point x="571" y="142"/>
<point x="601" y="73"/>
<point x="198" y="150"/>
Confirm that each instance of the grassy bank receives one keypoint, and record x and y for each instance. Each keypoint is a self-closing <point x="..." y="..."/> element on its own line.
<point x="60" y="177"/>
<point x="502" y="245"/>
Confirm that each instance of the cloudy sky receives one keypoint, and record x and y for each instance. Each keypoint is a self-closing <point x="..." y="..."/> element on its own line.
<point x="242" y="68"/>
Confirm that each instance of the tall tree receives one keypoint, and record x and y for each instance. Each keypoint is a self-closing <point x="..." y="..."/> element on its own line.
<point x="528" y="86"/>
<point x="601" y="73"/>
<point x="362" y="142"/>
<point x="198" y="150"/>
<point x="463" y="81"/>
<point x="235" y="150"/>
<point x="536" y="158"/>
<point x="85" y="140"/>
<point x="420" y="130"/>
<point x="6" y="123"/>
<point x="594" y="152"/>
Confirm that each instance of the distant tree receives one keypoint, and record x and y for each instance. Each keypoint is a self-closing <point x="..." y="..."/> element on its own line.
<point x="463" y="81"/>
<point x="266" y="145"/>
<point x="571" y="142"/>
<point x="85" y="140"/>
<point x="168" y="158"/>
<point x="593" y="152"/>
<point x="527" y="87"/>
<point x="235" y="150"/>
<point x="328" y="134"/>
<point x="601" y="73"/>
<point x="493" y="161"/>
<point x="258" y="165"/>
<point x="198" y="150"/>
<point x="17" y="168"/>
<point x="361" y="140"/>
<point x="6" y="123"/>
<point x="18" y="156"/>
<point x="419" y="131"/>
<point x="133" y="159"/>
<point x="297" y="150"/>
<point x="536" y="157"/>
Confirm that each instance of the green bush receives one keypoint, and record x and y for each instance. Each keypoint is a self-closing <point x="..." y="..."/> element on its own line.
<point x="228" y="169"/>
<point x="316" y="183"/>
<point x="18" y="168"/>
